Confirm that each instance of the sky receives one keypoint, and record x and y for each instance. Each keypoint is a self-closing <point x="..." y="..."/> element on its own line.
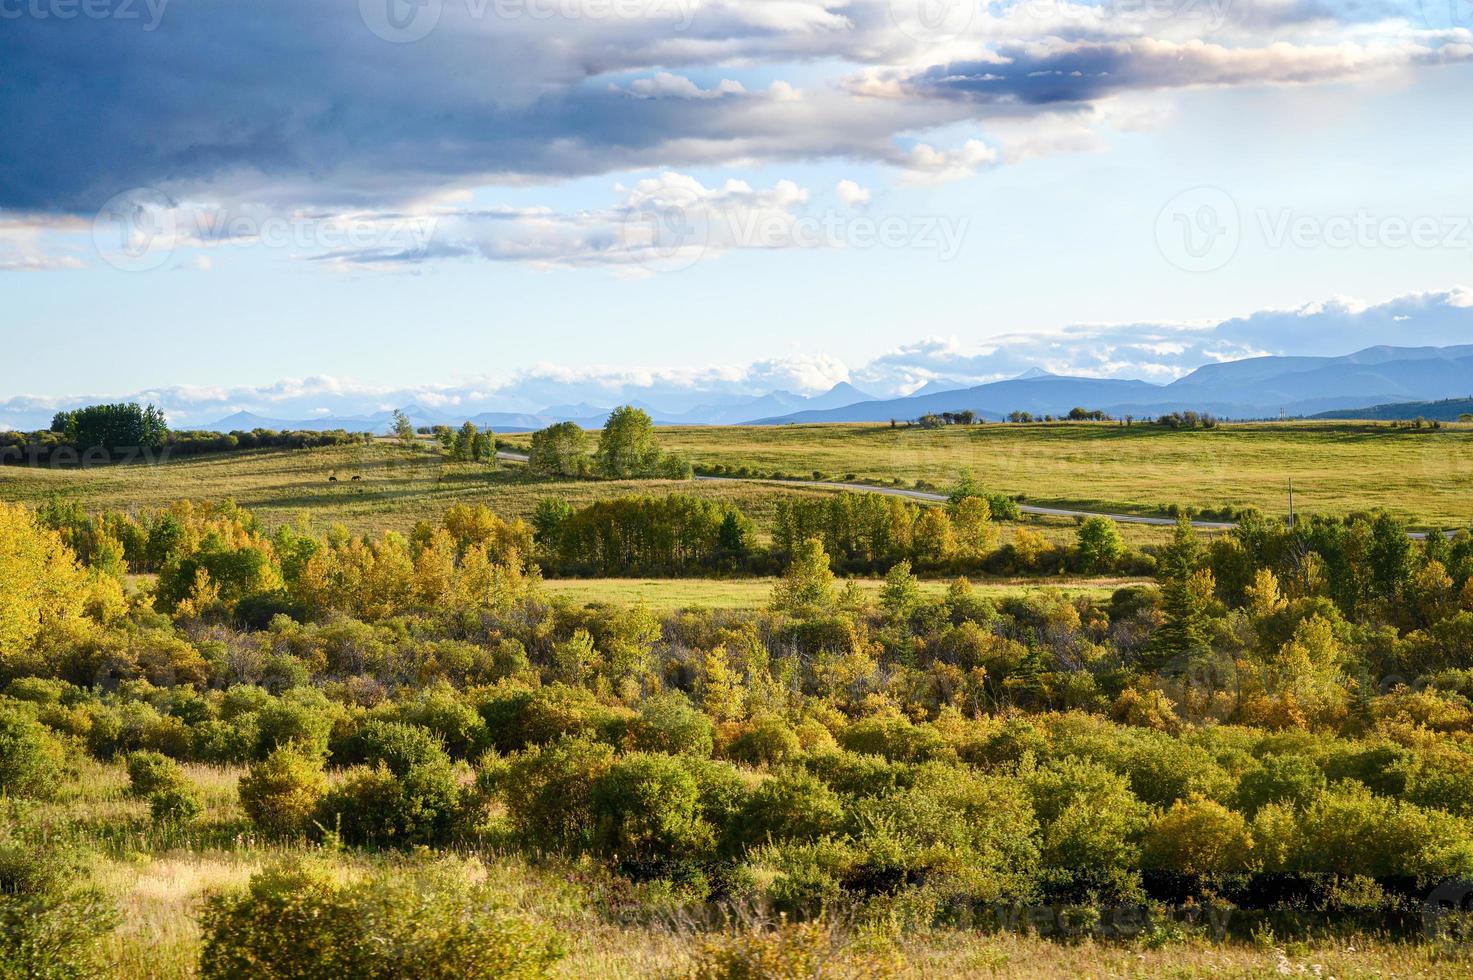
<point x="308" y="207"/>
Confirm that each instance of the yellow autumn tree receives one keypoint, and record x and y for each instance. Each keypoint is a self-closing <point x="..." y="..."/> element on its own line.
<point x="41" y="585"/>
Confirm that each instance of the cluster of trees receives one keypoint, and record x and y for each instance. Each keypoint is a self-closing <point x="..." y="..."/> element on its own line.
<point x="1076" y="414"/>
<point x="122" y="426"/>
<point x="677" y="534"/>
<point x="682" y="535"/>
<point x="129" y="432"/>
<point x="1281" y="723"/>
<point x="625" y="450"/>
<point x="1187" y="420"/>
<point x="932" y="420"/>
<point x="468" y="444"/>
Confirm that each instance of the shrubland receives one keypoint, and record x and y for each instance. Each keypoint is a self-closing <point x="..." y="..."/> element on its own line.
<point x="1264" y="752"/>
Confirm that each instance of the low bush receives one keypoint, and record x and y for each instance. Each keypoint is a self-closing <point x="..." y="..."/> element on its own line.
<point x="281" y="793"/>
<point x="376" y="806"/>
<point x="175" y="804"/>
<point x="49" y="928"/>
<point x="303" y="922"/>
<point x="31" y="759"/>
<point x="152" y="772"/>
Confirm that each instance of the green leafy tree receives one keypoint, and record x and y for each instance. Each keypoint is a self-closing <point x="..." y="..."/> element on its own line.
<point x="626" y="448"/>
<point x="403" y="429"/>
<point x="125" y="425"/>
<point x="1099" y="544"/>
<point x="559" y="450"/>
<point x="807" y="587"/>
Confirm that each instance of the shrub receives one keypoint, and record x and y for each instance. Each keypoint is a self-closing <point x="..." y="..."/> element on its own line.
<point x="790" y="950"/>
<point x="49" y="930"/>
<point x="225" y="742"/>
<point x="396" y="745"/>
<point x="1198" y="837"/>
<point x="152" y="772"/>
<point x="896" y="739"/>
<point x="281" y="793"/>
<point x="803" y="880"/>
<point x="791" y="806"/>
<point x="764" y="742"/>
<point x="1289" y="779"/>
<point x="1348" y="830"/>
<point x="439" y="710"/>
<point x="299" y="921"/>
<point x="1091" y="823"/>
<point x="175" y="804"/>
<point x="668" y="723"/>
<point x="376" y="806"/>
<point x="548" y="792"/>
<point x="647" y="813"/>
<point x="31" y="759"/>
<point x="518" y="718"/>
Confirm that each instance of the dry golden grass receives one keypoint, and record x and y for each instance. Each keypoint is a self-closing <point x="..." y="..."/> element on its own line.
<point x="394" y="489"/>
<point x="1337" y="467"/>
<point x="665" y="595"/>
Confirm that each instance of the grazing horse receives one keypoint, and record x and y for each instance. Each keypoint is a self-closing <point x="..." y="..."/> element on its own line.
<point x="356" y="477"/>
<point x="332" y="479"/>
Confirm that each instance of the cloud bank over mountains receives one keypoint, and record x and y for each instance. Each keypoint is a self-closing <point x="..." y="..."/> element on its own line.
<point x="1155" y="352"/>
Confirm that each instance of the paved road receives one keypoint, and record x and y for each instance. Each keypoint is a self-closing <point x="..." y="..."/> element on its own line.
<point x="928" y="496"/>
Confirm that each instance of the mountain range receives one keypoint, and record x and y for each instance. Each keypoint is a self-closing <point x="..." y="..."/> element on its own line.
<point x="1349" y="386"/>
<point x="718" y="412"/>
<point x="1258" y="387"/>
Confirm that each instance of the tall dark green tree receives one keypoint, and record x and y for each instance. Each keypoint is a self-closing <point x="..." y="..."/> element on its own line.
<point x="125" y="425"/>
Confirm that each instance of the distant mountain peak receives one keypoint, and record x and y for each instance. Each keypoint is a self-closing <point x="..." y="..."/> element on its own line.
<point x="1035" y="372"/>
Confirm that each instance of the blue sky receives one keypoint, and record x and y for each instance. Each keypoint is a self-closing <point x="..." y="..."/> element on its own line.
<point x="713" y="197"/>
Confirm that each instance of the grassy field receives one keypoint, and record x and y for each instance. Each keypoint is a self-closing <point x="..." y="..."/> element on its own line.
<point x="665" y="595"/>
<point x="394" y="489"/>
<point x="1422" y="475"/>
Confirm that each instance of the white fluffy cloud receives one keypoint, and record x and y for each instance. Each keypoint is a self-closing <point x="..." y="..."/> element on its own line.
<point x="1148" y="351"/>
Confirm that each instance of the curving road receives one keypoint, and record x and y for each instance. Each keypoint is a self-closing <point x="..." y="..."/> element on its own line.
<point x="941" y="497"/>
